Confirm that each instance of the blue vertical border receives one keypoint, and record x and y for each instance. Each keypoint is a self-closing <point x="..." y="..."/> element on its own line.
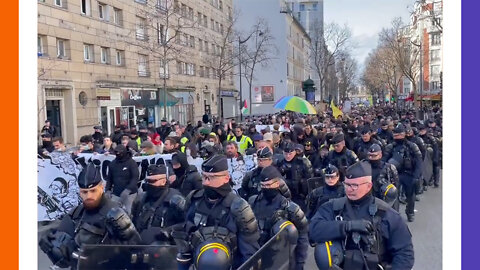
<point x="470" y="143"/>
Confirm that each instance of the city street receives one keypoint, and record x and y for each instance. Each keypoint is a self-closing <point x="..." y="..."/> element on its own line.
<point x="426" y="230"/>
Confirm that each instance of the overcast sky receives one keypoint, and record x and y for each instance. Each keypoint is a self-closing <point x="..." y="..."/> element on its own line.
<point x="366" y="18"/>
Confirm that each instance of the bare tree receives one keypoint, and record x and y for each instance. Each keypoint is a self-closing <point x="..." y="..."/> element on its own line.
<point x="348" y="73"/>
<point x="168" y="24"/>
<point x="328" y="44"/>
<point x="382" y="71"/>
<point x="405" y="53"/>
<point x="223" y="61"/>
<point x="258" y="52"/>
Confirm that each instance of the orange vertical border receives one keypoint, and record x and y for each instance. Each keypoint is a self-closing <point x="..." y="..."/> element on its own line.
<point x="9" y="109"/>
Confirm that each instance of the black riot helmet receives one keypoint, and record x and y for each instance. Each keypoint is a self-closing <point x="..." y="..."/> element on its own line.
<point x="328" y="255"/>
<point x="389" y="192"/>
<point x="213" y="254"/>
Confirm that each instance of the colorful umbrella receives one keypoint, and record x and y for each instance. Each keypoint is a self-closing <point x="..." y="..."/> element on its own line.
<point x="295" y="104"/>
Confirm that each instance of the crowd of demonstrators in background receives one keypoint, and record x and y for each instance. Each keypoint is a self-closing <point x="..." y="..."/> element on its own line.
<point x="311" y="159"/>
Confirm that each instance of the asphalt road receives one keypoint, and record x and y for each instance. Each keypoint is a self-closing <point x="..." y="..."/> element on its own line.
<point x="426" y="231"/>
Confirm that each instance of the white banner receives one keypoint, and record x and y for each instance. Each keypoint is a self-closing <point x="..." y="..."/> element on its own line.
<point x="57" y="177"/>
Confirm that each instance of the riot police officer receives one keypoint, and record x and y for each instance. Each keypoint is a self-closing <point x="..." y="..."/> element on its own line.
<point x="362" y="144"/>
<point x="219" y="224"/>
<point x="407" y="159"/>
<point x="340" y="156"/>
<point x="251" y="180"/>
<point x="410" y="135"/>
<point x="385" y="134"/>
<point x="332" y="189"/>
<point x="296" y="171"/>
<point x="313" y="156"/>
<point x="365" y="230"/>
<point x="431" y="145"/>
<point x="271" y="208"/>
<point x="384" y="177"/>
<point x="158" y="208"/>
<point x="97" y="220"/>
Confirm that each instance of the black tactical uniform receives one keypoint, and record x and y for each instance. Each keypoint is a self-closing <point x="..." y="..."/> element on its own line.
<point x="343" y="159"/>
<point x="270" y="207"/>
<point x="370" y="232"/>
<point x="107" y="223"/>
<point x="431" y="144"/>
<point x="361" y="147"/>
<point x="407" y="158"/>
<point x="158" y="209"/>
<point x="383" y="175"/>
<point x="296" y="173"/>
<point x="219" y="216"/>
<point x="323" y="194"/>
<point x="187" y="176"/>
<point x="251" y="180"/>
<point x="385" y="134"/>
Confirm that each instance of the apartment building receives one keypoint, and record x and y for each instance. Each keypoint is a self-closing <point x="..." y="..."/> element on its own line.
<point x="290" y="65"/>
<point x="115" y="62"/>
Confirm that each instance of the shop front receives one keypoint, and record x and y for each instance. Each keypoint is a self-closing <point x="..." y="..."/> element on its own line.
<point x="137" y="106"/>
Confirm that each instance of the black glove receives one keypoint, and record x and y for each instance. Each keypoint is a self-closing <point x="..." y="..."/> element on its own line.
<point x="360" y="226"/>
<point x="120" y="225"/>
<point x="178" y="202"/>
<point x="45" y="242"/>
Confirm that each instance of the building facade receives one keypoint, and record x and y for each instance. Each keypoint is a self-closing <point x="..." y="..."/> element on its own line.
<point x="310" y="15"/>
<point x="426" y="29"/>
<point x="288" y="68"/>
<point x="115" y="62"/>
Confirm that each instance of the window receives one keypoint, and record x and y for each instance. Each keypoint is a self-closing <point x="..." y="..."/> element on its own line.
<point x="163" y="69"/>
<point x="88" y="52"/>
<point x="102" y="11"/>
<point x="302" y="7"/>
<point x="119" y="58"/>
<point x="435" y="55"/>
<point x="143" y="66"/>
<point x="105" y="55"/>
<point x="141" y="31"/>
<point x="190" y="13"/>
<point x="162" y="4"/>
<point x="435" y="70"/>
<point x="314" y="6"/>
<point x="206" y="46"/>
<point x="85" y="7"/>
<point x="205" y="21"/>
<point x="436" y="39"/>
<point x="185" y="39"/>
<point x="434" y="85"/>
<point x="58" y="3"/>
<point x="212" y="24"/>
<point x="200" y="71"/>
<point x="61" y="48"/>
<point x="42" y="45"/>
<point x="207" y="72"/>
<point x="220" y="5"/>
<point x="162" y="35"/>
<point x="117" y="16"/>
<point x="141" y="1"/>
<point x="192" y="42"/>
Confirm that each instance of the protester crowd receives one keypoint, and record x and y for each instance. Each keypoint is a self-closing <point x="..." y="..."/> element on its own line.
<point x="322" y="173"/>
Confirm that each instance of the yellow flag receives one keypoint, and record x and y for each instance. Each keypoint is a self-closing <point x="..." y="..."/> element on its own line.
<point x="336" y="111"/>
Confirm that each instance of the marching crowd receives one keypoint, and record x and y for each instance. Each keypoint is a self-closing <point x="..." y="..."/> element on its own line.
<point x="337" y="182"/>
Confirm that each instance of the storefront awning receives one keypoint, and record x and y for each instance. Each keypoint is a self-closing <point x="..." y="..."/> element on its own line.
<point x="437" y="97"/>
<point x="171" y="99"/>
